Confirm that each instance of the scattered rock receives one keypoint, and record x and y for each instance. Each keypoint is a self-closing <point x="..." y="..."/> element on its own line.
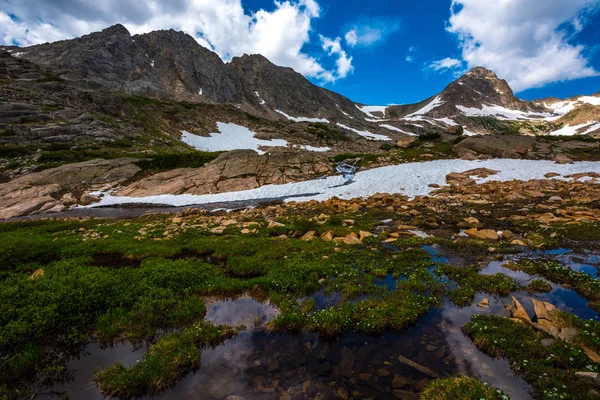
<point x="408" y="141"/>
<point x="568" y="334"/>
<point x="485" y="303"/>
<point x="308" y="235"/>
<point x="518" y="312"/>
<point x="563" y="159"/>
<point x="38" y="273"/>
<point x="488" y="234"/>
<point x="418" y="367"/>
<point x="399" y="382"/>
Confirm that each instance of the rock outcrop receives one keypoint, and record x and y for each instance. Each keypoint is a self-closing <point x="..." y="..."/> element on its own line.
<point x="233" y="171"/>
<point x="496" y="146"/>
<point x="44" y="192"/>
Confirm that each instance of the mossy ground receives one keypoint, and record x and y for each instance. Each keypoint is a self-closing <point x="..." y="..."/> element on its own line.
<point x="460" y="387"/>
<point x="549" y="369"/>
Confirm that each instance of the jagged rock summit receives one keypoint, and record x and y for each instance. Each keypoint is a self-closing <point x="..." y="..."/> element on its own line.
<point x="171" y="64"/>
<point x="477" y="89"/>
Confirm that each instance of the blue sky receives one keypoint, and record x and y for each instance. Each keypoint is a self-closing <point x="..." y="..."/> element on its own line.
<point x="377" y="52"/>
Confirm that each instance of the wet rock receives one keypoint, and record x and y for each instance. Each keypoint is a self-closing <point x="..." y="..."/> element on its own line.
<point x="346" y="362"/>
<point x="273" y="363"/>
<point x="518" y="312"/>
<point x="417" y="366"/>
<point x="342" y="393"/>
<point x="364" y="376"/>
<point x="399" y="382"/>
<point x="404" y="395"/>
<point x="485" y="303"/>
<point x="545" y="315"/>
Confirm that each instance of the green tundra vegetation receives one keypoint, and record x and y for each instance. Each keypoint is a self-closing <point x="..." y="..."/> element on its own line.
<point x="66" y="282"/>
<point x="460" y="387"/>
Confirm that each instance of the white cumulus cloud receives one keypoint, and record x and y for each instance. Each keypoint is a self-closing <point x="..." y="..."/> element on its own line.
<point x="526" y="42"/>
<point x="446" y="63"/>
<point x="343" y="62"/>
<point x="370" y="31"/>
<point x="223" y="26"/>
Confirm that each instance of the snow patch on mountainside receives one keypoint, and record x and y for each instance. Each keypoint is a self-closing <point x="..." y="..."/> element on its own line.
<point x="564" y="107"/>
<point x="435" y="103"/>
<point x="393" y="128"/>
<point x="302" y="119"/>
<point x="412" y="179"/>
<point x="231" y="137"/>
<point x="582" y="129"/>
<point x="365" y="134"/>
<point x="502" y="113"/>
<point x="371" y="109"/>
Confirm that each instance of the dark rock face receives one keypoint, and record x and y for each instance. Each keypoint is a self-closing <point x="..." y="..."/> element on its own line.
<point x="173" y="65"/>
<point x="478" y="87"/>
<point x="285" y="89"/>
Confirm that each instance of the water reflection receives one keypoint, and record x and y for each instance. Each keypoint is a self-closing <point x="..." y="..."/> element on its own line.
<point x="563" y="299"/>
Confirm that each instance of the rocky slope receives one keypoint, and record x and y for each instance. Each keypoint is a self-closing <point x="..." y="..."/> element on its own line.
<point x="483" y="103"/>
<point x="170" y="64"/>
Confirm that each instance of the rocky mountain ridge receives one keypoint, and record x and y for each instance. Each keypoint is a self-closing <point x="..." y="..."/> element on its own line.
<point x="170" y="64"/>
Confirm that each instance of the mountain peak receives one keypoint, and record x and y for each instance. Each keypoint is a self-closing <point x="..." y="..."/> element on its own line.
<point x="482" y="72"/>
<point x="116" y="29"/>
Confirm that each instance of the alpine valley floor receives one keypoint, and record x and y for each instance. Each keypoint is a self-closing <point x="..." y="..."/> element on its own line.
<point x="479" y="288"/>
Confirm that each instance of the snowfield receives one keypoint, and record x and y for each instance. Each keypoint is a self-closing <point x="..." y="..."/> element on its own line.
<point x="365" y="134"/>
<point x="502" y="113"/>
<point x="371" y="109"/>
<point x="435" y="103"/>
<point x="411" y="179"/>
<point x="563" y="107"/>
<point x="582" y="129"/>
<point x="231" y="137"/>
<point x="236" y="137"/>
<point x="302" y="119"/>
<point x="393" y="128"/>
